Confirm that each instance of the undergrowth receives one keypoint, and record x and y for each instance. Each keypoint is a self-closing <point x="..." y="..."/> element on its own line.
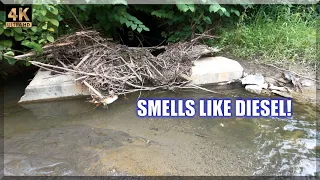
<point x="277" y="34"/>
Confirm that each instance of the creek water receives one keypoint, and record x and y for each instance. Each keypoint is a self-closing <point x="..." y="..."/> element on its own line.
<point x="72" y="137"/>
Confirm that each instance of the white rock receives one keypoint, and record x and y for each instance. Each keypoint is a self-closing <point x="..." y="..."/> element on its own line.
<point x="254" y="88"/>
<point x="256" y="79"/>
<point x="306" y="82"/>
<point x="45" y="86"/>
<point x="211" y="70"/>
<point x="265" y="86"/>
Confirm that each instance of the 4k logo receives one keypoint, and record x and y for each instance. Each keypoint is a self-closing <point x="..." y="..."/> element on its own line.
<point x="19" y="16"/>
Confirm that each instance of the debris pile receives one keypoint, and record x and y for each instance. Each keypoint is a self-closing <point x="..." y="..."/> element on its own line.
<point x="105" y="66"/>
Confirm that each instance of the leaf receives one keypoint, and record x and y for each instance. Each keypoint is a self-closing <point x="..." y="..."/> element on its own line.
<point x="161" y="13"/>
<point x="133" y="26"/>
<point x="236" y="12"/>
<point x="18" y="37"/>
<point x="122" y="20"/>
<point x="33" y="38"/>
<point x="50" y="38"/>
<point x="207" y="20"/>
<point x="54" y="22"/>
<point x="139" y="29"/>
<point x="51" y="29"/>
<point x="34" y="28"/>
<point x="45" y="26"/>
<point x="227" y="13"/>
<point x="41" y="41"/>
<point x="214" y="7"/>
<point x="6" y="43"/>
<point x="43" y="12"/>
<point x="146" y="29"/>
<point x="53" y="10"/>
<point x="11" y="61"/>
<point x="1" y="29"/>
<point x="183" y="7"/>
<point x="28" y="63"/>
<point x="18" y="30"/>
<point x="223" y="9"/>
<point x="9" y="53"/>
<point x="200" y="29"/>
<point x="191" y="7"/>
<point x="25" y="42"/>
<point x="32" y="45"/>
<point x="128" y="23"/>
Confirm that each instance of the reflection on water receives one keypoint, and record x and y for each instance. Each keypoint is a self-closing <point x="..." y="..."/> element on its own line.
<point x="73" y="138"/>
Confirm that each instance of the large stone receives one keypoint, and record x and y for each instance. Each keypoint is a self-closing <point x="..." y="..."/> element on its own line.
<point x="211" y="70"/>
<point x="45" y="86"/>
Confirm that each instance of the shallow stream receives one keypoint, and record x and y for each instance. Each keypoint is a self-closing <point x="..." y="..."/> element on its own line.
<point x="73" y="137"/>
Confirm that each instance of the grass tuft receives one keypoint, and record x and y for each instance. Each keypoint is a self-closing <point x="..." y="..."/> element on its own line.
<point x="278" y="34"/>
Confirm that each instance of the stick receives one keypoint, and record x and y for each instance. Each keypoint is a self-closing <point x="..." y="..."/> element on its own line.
<point x="75" y="71"/>
<point x="83" y="59"/>
<point x="139" y="77"/>
<point x="75" y="17"/>
<point x="155" y="69"/>
<point x="83" y="77"/>
<point x="94" y="90"/>
<point x="33" y="53"/>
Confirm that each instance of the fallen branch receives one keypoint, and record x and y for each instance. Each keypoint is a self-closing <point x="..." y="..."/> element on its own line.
<point x="92" y="89"/>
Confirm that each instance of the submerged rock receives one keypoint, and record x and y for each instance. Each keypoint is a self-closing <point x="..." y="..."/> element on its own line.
<point x="254" y="89"/>
<point x="251" y="79"/>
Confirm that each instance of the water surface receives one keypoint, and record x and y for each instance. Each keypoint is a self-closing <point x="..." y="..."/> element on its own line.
<point x="73" y="137"/>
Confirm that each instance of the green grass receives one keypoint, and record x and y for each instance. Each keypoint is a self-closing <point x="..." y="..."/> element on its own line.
<point x="275" y="34"/>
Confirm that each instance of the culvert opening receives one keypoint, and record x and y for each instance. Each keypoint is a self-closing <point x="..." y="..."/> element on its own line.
<point x="127" y="36"/>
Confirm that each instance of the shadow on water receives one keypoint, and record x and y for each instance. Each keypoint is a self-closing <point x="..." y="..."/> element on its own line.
<point x="73" y="138"/>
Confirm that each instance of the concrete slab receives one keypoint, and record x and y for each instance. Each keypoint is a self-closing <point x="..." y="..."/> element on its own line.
<point x="45" y="86"/>
<point x="209" y="70"/>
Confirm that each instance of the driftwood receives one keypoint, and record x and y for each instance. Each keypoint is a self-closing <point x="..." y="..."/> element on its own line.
<point x="105" y="66"/>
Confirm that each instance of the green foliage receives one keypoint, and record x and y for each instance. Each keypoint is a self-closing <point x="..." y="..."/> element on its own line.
<point x="275" y="34"/>
<point x="45" y="20"/>
<point x="188" y="19"/>
<point x="184" y="19"/>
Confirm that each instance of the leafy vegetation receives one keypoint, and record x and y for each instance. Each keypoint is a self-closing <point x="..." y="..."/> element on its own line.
<point x="45" y="26"/>
<point x="274" y="33"/>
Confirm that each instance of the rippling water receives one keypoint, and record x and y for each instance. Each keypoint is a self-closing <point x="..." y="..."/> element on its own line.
<point x="73" y="138"/>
